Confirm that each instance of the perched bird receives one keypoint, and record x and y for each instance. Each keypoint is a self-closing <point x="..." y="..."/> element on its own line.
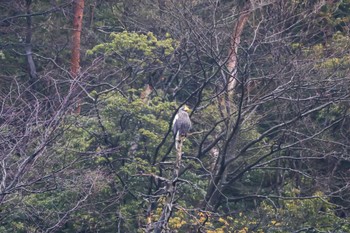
<point x="181" y="124"/>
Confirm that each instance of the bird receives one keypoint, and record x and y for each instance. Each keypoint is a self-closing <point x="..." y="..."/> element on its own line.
<point x="181" y="125"/>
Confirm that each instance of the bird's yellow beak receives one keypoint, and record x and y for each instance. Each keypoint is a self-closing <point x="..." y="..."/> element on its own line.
<point x="187" y="109"/>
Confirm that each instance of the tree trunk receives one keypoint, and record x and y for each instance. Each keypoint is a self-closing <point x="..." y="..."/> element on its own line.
<point x="225" y="102"/>
<point x="171" y="187"/>
<point x="235" y="41"/>
<point x="92" y="12"/>
<point x="28" y="46"/>
<point x="77" y="27"/>
<point x="225" y="99"/>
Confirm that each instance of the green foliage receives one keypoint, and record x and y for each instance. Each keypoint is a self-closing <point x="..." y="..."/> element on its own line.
<point x="137" y="48"/>
<point x="135" y="119"/>
<point x="315" y="213"/>
<point x="331" y="56"/>
<point x="135" y="129"/>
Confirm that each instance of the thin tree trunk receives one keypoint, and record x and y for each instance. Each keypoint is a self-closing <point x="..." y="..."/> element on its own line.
<point x="226" y="106"/>
<point x="28" y="46"/>
<point x="225" y="100"/>
<point x="92" y="12"/>
<point x="171" y="186"/>
<point x="77" y="27"/>
<point x="235" y="42"/>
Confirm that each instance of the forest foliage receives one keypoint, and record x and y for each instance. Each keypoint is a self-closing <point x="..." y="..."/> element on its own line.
<point x="268" y="86"/>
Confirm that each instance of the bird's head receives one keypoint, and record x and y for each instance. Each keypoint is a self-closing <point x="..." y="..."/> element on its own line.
<point x="185" y="108"/>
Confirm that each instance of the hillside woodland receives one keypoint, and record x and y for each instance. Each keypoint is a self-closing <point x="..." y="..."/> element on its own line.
<point x="89" y="90"/>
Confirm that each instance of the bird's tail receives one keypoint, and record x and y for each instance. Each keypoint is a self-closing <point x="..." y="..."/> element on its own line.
<point x="177" y="140"/>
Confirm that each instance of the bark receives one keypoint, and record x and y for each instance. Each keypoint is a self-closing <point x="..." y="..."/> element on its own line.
<point x="92" y="12"/>
<point x="226" y="106"/>
<point x="77" y="27"/>
<point x="233" y="53"/>
<point x="171" y="187"/>
<point x="225" y="100"/>
<point x="28" y="46"/>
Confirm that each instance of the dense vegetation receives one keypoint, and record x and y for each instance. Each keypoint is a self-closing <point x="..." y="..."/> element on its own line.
<point x="86" y="142"/>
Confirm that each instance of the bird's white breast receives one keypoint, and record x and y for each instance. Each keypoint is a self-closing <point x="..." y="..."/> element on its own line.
<point x="175" y="119"/>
